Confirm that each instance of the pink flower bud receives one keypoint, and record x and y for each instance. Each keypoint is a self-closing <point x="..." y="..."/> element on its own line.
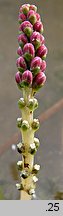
<point x="27" y="28"/>
<point x="42" y="51"/>
<point x="25" y="24"/>
<point x="18" y="77"/>
<point x="27" y="78"/>
<point x="37" y="39"/>
<point x="43" y="68"/>
<point x="21" y="18"/>
<point x="36" y="65"/>
<point x="33" y="7"/>
<point x="22" y="40"/>
<point x="19" y="51"/>
<point x="25" y="8"/>
<point x="39" y="80"/>
<point x="21" y="64"/>
<point x="38" y="26"/>
<point x="32" y="16"/>
<point x="38" y="17"/>
<point x="29" y="52"/>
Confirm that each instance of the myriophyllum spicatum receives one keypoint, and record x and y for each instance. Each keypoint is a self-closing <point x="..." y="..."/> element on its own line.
<point x="31" y="64"/>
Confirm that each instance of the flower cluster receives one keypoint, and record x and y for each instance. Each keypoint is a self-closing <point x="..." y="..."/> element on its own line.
<point x="32" y="51"/>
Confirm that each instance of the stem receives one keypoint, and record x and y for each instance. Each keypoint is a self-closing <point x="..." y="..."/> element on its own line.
<point x="24" y="195"/>
<point x="27" y="139"/>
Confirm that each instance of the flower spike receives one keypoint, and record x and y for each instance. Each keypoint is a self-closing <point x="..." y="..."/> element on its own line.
<point x="30" y="78"/>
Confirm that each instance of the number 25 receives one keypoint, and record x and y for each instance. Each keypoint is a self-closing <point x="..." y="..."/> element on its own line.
<point x="53" y="207"/>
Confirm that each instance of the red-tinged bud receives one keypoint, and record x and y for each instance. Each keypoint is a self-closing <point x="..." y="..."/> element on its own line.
<point x="22" y="39"/>
<point x="21" y="64"/>
<point x="38" y="17"/>
<point x="18" y="77"/>
<point x="39" y="80"/>
<point x="25" y="8"/>
<point x="43" y="68"/>
<point x="25" y="24"/>
<point x="27" y="28"/>
<point x="21" y="18"/>
<point x="37" y="39"/>
<point x="19" y="51"/>
<point x="36" y="65"/>
<point x="29" y="52"/>
<point x="38" y="26"/>
<point x="27" y="78"/>
<point x="33" y="7"/>
<point x="42" y="51"/>
<point x="32" y="16"/>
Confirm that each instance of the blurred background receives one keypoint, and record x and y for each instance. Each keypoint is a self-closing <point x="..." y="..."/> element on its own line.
<point x="50" y="98"/>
